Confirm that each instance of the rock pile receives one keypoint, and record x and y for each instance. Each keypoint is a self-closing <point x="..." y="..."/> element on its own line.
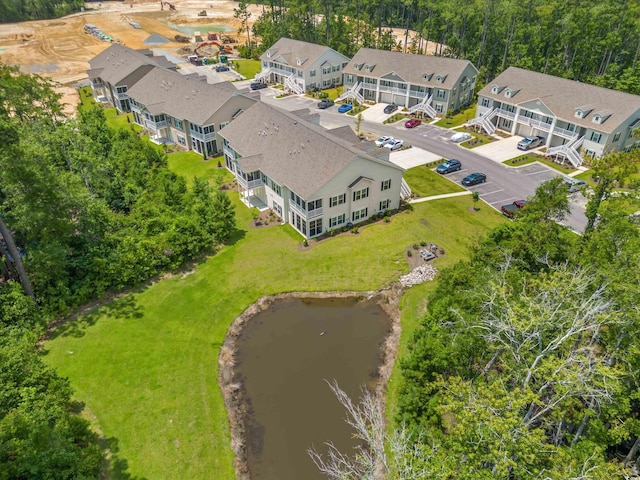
<point x="418" y="275"/>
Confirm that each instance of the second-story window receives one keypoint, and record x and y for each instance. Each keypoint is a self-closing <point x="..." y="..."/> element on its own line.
<point x="314" y="204"/>
<point x="360" y="194"/>
<point x="312" y="73"/>
<point x="596" y="137"/>
<point x="386" y="185"/>
<point x="337" y="200"/>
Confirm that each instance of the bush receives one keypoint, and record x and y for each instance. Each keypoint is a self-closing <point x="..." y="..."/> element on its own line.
<point x="305" y="243"/>
<point x="416" y="246"/>
<point x="355" y="229"/>
<point x="387" y="219"/>
<point x="409" y="254"/>
<point x="423" y="243"/>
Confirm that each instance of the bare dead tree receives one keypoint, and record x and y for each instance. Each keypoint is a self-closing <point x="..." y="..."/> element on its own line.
<point x="5" y="233"/>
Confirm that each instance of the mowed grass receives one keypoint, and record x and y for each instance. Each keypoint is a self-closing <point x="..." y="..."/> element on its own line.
<point x="424" y="182"/>
<point x="146" y="365"/>
<point x="191" y="164"/>
<point x="247" y="68"/>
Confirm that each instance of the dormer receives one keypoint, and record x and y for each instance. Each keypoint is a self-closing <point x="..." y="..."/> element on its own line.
<point x="496" y="89"/>
<point x="369" y="68"/>
<point x="427" y="76"/>
<point x="358" y="66"/>
<point x="601" y="117"/>
<point x="441" y="78"/>
<point x="300" y="61"/>
<point x="583" y="112"/>
<point x="271" y="53"/>
<point x="509" y="93"/>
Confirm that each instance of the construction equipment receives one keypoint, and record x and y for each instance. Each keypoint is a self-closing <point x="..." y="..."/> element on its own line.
<point x="212" y="36"/>
<point x="222" y="48"/>
<point x="170" y="5"/>
<point x="182" y="39"/>
<point x="202" y="13"/>
<point x="226" y="39"/>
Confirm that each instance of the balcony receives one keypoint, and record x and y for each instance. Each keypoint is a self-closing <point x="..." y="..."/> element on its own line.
<point x="151" y="125"/>
<point x="202" y="136"/>
<point x="564" y="133"/>
<point x="314" y="213"/>
<point x="308" y="215"/>
<point x="501" y="112"/>
<point x="396" y="90"/>
<point x="545" y="127"/>
<point x="249" y="184"/>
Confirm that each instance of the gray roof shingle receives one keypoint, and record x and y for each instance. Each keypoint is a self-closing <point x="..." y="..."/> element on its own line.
<point x="118" y="62"/>
<point x="300" y="155"/>
<point x="183" y="97"/>
<point x="410" y="67"/>
<point x="563" y="97"/>
<point x="292" y="50"/>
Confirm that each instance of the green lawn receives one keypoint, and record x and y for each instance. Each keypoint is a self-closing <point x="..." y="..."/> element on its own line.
<point x="528" y="158"/>
<point x="247" y="68"/>
<point x="190" y="165"/>
<point x="459" y="119"/>
<point x="424" y="182"/>
<point x="146" y="365"/>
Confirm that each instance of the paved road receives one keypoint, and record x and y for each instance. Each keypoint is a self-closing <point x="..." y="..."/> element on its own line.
<point x="504" y="184"/>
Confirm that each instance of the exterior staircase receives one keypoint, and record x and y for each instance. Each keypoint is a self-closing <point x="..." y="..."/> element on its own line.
<point x="569" y="151"/>
<point x="353" y="92"/>
<point x="292" y="85"/>
<point x="485" y="121"/>
<point x="405" y="190"/>
<point x="425" y="107"/>
<point x="263" y="75"/>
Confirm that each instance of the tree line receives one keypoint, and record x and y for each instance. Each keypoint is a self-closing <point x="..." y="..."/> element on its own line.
<point x="21" y="10"/>
<point x="84" y="210"/>
<point x="586" y="40"/>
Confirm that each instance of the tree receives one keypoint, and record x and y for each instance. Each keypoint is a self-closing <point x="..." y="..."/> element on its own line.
<point x="476" y="197"/>
<point x="242" y="13"/>
<point x="12" y="255"/>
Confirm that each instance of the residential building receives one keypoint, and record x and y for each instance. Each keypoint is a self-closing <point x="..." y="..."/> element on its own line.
<point x="119" y="68"/>
<point x="312" y="179"/>
<point x="185" y="110"/>
<point x="301" y="66"/>
<point x="570" y="115"/>
<point x="422" y="83"/>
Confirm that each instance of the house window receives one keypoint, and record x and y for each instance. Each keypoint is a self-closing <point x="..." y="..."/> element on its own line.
<point x="299" y="223"/>
<point x="335" y="221"/>
<point x="494" y="89"/>
<point x="314" y="204"/>
<point x="386" y="185"/>
<point x="359" y="214"/>
<point x="337" y="200"/>
<point x="298" y="201"/>
<point x="350" y="78"/>
<point x="223" y="124"/>
<point x="208" y="129"/>
<point x="121" y="89"/>
<point x="178" y="124"/>
<point x="312" y="73"/>
<point x="439" y="107"/>
<point x="485" y="102"/>
<point x="579" y="113"/>
<point x="182" y="141"/>
<point x="336" y="80"/>
<point x="595" y="137"/>
<point x="315" y="227"/>
<point x="326" y="70"/>
<point x="335" y="68"/>
<point x="441" y="94"/>
<point x="277" y="208"/>
<point x="360" y="194"/>
<point x="384" y="204"/>
<point x="616" y="137"/>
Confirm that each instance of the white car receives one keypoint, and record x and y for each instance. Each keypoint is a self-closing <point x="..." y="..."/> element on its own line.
<point x="382" y="141"/>
<point x="460" y="137"/>
<point x="394" y="144"/>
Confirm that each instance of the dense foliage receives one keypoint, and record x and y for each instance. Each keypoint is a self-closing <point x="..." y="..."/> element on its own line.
<point x="19" y="10"/>
<point x="526" y="363"/>
<point x="587" y="40"/>
<point x="83" y="209"/>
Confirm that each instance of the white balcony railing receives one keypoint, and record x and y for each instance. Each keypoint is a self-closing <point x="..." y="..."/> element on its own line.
<point x="314" y="213"/>
<point x="154" y="125"/>
<point x="399" y="91"/>
<point x="501" y="112"/>
<point x="249" y="184"/>
<point x="203" y="137"/>
<point x="564" y="133"/>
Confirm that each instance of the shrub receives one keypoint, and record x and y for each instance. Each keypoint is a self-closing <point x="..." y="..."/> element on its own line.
<point x="416" y="246"/>
<point x="409" y="254"/>
<point x="305" y="243"/>
<point x="423" y="243"/>
<point x="387" y="219"/>
<point x="354" y="229"/>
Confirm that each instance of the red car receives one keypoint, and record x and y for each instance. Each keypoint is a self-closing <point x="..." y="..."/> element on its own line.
<point x="414" y="122"/>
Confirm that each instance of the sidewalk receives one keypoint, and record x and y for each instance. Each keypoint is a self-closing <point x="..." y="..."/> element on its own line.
<point x="438" y="197"/>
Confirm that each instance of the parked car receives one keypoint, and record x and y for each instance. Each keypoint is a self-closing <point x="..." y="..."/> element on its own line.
<point x="382" y="141"/>
<point x="575" y="185"/>
<point x="414" y="122"/>
<point x="449" y="166"/>
<point x="530" y="142"/>
<point x="460" y="137"/>
<point x="257" y="85"/>
<point x="511" y="209"/>
<point x="222" y="68"/>
<point x="390" y="108"/>
<point x="474" y="179"/>
<point x="325" y="103"/>
<point x="394" y="144"/>
<point x="345" y="108"/>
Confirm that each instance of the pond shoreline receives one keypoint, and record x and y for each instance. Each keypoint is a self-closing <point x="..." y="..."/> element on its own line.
<point x="235" y="399"/>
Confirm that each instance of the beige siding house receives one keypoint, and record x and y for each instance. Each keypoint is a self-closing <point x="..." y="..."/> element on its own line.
<point x="185" y="110"/>
<point x="575" y="118"/>
<point x="422" y="83"/>
<point x="312" y="179"/>
<point x="301" y="66"/>
<point x="118" y="68"/>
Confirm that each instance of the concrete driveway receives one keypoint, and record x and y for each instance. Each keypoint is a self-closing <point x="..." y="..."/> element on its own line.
<point x="500" y="150"/>
<point x="375" y="113"/>
<point x="412" y="157"/>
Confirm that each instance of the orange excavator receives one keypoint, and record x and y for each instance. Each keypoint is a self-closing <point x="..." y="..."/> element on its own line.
<point x="222" y="48"/>
<point x="170" y="5"/>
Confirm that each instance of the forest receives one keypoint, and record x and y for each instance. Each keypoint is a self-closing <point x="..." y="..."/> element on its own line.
<point x="21" y="10"/>
<point x="85" y="210"/>
<point x="587" y="40"/>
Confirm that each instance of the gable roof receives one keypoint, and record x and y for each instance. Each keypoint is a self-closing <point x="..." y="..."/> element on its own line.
<point x="183" y="97"/>
<point x="300" y="155"/>
<point x="411" y="67"/>
<point x="564" y="97"/>
<point x="118" y="62"/>
<point x="297" y="53"/>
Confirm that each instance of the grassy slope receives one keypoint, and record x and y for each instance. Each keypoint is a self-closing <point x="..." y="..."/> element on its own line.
<point x="247" y="68"/>
<point x="424" y="182"/>
<point x="146" y="366"/>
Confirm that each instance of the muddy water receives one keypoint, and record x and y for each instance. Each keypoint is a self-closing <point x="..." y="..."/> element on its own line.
<point x="284" y="356"/>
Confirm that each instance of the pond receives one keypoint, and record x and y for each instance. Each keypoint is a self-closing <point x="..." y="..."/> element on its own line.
<point x="203" y="29"/>
<point x="284" y="355"/>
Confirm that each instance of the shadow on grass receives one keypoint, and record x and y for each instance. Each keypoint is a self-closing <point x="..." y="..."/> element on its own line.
<point x="116" y="467"/>
<point x="237" y="235"/>
<point x="123" y="308"/>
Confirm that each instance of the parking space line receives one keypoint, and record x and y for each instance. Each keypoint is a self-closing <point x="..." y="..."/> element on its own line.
<point x="536" y="173"/>
<point x="490" y="193"/>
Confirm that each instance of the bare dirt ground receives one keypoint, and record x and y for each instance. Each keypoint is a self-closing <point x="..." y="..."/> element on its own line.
<point x="59" y="48"/>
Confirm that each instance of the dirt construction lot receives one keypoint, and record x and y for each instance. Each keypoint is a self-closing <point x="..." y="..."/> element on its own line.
<point x="61" y="50"/>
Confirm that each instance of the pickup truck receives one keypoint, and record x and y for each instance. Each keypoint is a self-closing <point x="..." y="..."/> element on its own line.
<point x="511" y="209"/>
